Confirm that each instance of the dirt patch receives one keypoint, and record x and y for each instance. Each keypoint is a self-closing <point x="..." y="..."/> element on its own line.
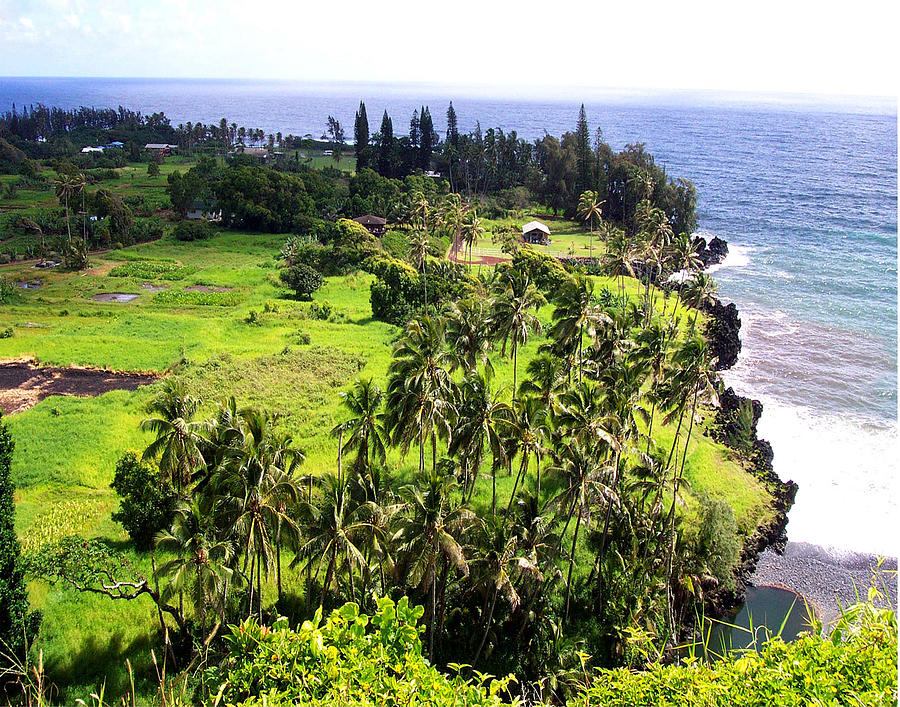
<point x="31" y="285"/>
<point x="23" y="385"/>
<point x="150" y="287"/>
<point x="114" y="297"/>
<point x="207" y="288"/>
<point x="100" y="269"/>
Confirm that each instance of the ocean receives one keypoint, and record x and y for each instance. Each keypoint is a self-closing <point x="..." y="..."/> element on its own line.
<point x="805" y="193"/>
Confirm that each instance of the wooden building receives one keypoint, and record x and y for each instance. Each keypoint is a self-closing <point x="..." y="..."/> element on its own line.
<point x="536" y="233"/>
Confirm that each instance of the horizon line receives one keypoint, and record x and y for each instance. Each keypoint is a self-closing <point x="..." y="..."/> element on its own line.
<point x="533" y="89"/>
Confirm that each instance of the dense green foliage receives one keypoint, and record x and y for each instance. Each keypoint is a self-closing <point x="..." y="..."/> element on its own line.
<point x="857" y="664"/>
<point x="261" y="199"/>
<point x="17" y="625"/>
<point x="192" y="231"/>
<point x="349" y="659"/>
<point x="301" y="279"/>
<point x="147" y="500"/>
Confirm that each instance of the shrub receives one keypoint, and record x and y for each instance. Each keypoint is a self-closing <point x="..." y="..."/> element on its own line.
<point x="147" y="500"/>
<point x="6" y="333"/>
<point x="544" y="270"/>
<point x="302" y="338"/>
<point x="7" y="289"/>
<point x="146" y="230"/>
<point x="320" y="310"/>
<point x="396" y="244"/>
<point x="192" y="231"/>
<point x="350" y="659"/>
<point x="857" y="664"/>
<point x="302" y="279"/>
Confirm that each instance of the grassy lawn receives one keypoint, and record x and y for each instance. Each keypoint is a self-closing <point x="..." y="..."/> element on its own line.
<point x="66" y="448"/>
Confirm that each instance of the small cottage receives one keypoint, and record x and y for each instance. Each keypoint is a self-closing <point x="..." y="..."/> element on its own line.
<point x="536" y="233"/>
<point x="202" y="210"/>
<point x="374" y="224"/>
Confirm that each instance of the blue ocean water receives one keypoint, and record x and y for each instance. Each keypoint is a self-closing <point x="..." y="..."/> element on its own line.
<point x="805" y="194"/>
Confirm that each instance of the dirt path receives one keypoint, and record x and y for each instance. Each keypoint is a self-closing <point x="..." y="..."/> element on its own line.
<point x="23" y="385"/>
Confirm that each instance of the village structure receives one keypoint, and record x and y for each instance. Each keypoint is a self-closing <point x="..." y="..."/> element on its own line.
<point x="536" y="233"/>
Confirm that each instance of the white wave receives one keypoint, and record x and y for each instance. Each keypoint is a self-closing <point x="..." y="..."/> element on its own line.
<point x="738" y="257"/>
<point x="846" y="470"/>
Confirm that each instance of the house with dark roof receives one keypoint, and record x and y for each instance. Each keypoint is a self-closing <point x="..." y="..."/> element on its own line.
<point x="374" y="224"/>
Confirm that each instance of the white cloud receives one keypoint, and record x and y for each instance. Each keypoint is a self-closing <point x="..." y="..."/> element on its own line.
<point x="767" y="45"/>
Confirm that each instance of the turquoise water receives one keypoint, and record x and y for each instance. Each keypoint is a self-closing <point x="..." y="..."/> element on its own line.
<point x="805" y="194"/>
<point x="766" y="612"/>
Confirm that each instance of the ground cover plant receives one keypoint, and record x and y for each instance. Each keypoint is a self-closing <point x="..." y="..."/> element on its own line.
<point x="149" y="270"/>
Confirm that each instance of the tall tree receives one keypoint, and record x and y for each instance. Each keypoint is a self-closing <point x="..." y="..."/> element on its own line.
<point x="179" y="438"/>
<point x="415" y="131"/>
<point x="386" y="147"/>
<point x="17" y="626"/>
<point x="451" y="145"/>
<point x="583" y="154"/>
<point x="336" y="133"/>
<point x="364" y="431"/>
<point x="589" y="209"/>
<point x="514" y="316"/>
<point x="427" y="139"/>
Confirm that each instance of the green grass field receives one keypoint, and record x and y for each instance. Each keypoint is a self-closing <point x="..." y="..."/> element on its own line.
<point x="67" y="447"/>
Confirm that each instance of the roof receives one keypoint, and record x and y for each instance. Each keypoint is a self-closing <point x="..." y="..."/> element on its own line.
<point x="535" y="226"/>
<point x="116" y="143"/>
<point x="158" y="146"/>
<point x="369" y="220"/>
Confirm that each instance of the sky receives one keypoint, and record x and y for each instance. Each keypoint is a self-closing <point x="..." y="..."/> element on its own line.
<point x="763" y="46"/>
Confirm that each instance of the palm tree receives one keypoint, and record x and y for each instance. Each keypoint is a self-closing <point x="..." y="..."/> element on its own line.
<point x="364" y="431"/>
<point x="334" y="528"/>
<point x="471" y="230"/>
<point x="499" y="564"/>
<point x="695" y="379"/>
<point x="468" y="333"/>
<point x="529" y="431"/>
<point x="202" y="560"/>
<point x="179" y="438"/>
<point x="589" y="208"/>
<point x="617" y="259"/>
<point x="481" y="419"/>
<point x="417" y="253"/>
<point x="586" y="479"/>
<point x="420" y="209"/>
<point x="546" y="379"/>
<point x="428" y="536"/>
<point x="257" y="486"/>
<point x="575" y="315"/>
<point x="451" y="214"/>
<point x="66" y="186"/>
<point x="513" y="315"/>
<point x="684" y="259"/>
<point x="700" y="292"/>
<point x="421" y="392"/>
<point x="653" y="349"/>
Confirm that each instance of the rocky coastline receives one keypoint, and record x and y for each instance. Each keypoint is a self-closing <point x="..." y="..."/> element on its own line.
<point x="730" y="427"/>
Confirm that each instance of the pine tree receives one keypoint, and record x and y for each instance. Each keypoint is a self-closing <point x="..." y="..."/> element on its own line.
<point x="386" y="147"/>
<point x="452" y="127"/>
<point x="583" y="154"/>
<point x="361" y="135"/>
<point x="415" y="131"/>
<point x="17" y="626"/>
<point x="426" y="139"/>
